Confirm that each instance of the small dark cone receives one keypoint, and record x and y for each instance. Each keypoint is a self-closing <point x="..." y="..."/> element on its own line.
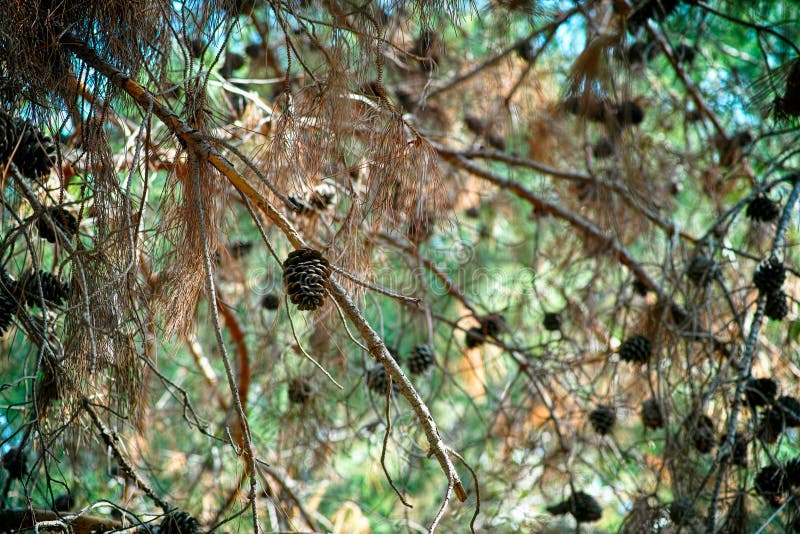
<point x="771" y="426"/>
<point x="426" y="47"/>
<point x="54" y="292"/>
<point x="604" y="148"/>
<point x="702" y="269"/>
<point x="493" y="325"/>
<point x="760" y="391"/>
<point x="640" y="288"/>
<point x="64" y="503"/>
<point x="628" y="114"/>
<point x="254" y="51"/>
<point x="762" y="209"/>
<point x="636" y="349"/>
<point x="602" y="419"/>
<point x="36" y="154"/>
<point x="420" y="360"/>
<point x="7" y="309"/>
<point x="650" y="9"/>
<point x="525" y="50"/>
<point x="299" y="391"/>
<point x="702" y="434"/>
<point x="271" y="301"/>
<point x="15" y="463"/>
<point x="305" y="275"/>
<point x="474" y="337"/>
<point x="787" y="105"/>
<point x="378" y="380"/>
<point x="64" y="221"/>
<point x="681" y="511"/>
<point x="196" y="47"/>
<point x="790" y="409"/>
<point x="739" y="451"/>
<point x="737" y="517"/>
<point x="792" y="470"/>
<point x="232" y="63"/>
<point x="583" y="507"/>
<point x="684" y="54"/>
<point x="776" y="307"/>
<point x="177" y="522"/>
<point x="651" y="414"/>
<point x="239" y="249"/>
<point x="770" y="483"/>
<point x="551" y="322"/>
<point x="640" y="52"/>
<point x="769" y="276"/>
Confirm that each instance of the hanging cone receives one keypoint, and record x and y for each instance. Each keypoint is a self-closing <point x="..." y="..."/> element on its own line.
<point x="769" y="276"/>
<point x="305" y="275"/>
<point x="177" y="522"/>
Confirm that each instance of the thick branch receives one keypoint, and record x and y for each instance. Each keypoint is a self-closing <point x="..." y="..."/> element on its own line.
<point x="16" y="519"/>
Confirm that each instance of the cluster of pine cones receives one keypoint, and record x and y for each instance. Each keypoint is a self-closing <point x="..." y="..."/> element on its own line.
<point x="30" y="290"/>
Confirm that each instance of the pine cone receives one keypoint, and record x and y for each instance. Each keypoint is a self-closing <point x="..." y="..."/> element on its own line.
<point x="27" y="289"/>
<point x="702" y="434"/>
<point x="15" y="463"/>
<point x="602" y="419"/>
<point x="792" y="471"/>
<point x="31" y="151"/>
<point x="776" y="306"/>
<point x="762" y="209"/>
<point x="177" y="522"/>
<point x="640" y="288"/>
<point x="305" y="275"/>
<point x="552" y="322"/>
<point x="270" y="301"/>
<point x="772" y="424"/>
<point x="636" y="349"/>
<point x="474" y="338"/>
<point x="790" y="409"/>
<point x="603" y="148"/>
<point x="493" y="325"/>
<point x="583" y="507"/>
<point x="650" y="9"/>
<point x="769" y="276"/>
<point x="378" y="380"/>
<point x="628" y="113"/>
<point x="681" y="511"/>
<point x="420" y="360"/>
<point x="771" y="484"/>
<point x="651" y="414"/>
<point x="702" y="269"/>
<point x="64" y="221"/>
<point x="739" y="453"/>
<point x="760" y="391"/>
<point x="684" y="54"/>
<point x="64" y="502"/>
<point x="299" y="391"/>
<point x="8" y="305"/>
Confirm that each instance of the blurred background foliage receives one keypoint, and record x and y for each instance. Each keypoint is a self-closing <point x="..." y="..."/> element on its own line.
<point x="551" y="212"/>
